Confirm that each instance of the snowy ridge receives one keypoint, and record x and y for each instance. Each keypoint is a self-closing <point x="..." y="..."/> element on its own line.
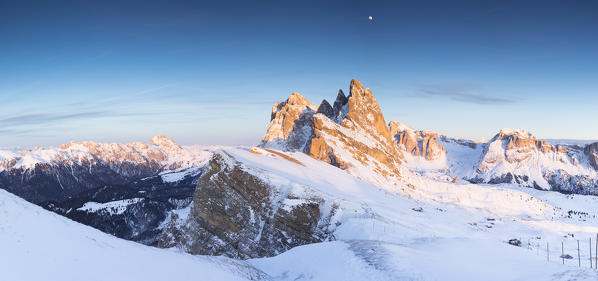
<point x="380" y="227"/>
<point x="112" y="208"/>
<point x="160" y="151"/>
<point x="59" y="173"/>
<point x="512" y="156"/>
<point x="61" y="249"/>
<point x="516" y="156"/>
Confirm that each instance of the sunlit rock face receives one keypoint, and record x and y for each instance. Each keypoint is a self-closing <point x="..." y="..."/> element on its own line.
<point x="290" y="124"/>
<point x="239" y="211"/>
<point x="517" y="156"/>
<point x="357" y="132"/>
<point x="416" y="143"/>
<point x="350" y="133"/>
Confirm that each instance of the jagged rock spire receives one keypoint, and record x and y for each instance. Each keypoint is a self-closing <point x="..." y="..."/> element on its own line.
<point x="364" y="111"/>
<point x="341" y="100"/>
<point x="326" y="109"/>
<point x="352" y="132"/>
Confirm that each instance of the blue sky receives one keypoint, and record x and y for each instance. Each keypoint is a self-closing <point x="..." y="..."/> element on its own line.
<point x="208" y="73"/>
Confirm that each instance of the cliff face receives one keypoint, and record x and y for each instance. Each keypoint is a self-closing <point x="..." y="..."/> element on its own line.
<point x="239" y="212"/>
<point x="356" y="132"/>
<point x="290" y="124"/>
<point x="350" y="133"/>
<point x="416" y="143"/>
<point x="591" y="151"/>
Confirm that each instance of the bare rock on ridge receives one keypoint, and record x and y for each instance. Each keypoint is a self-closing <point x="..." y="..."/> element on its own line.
<point x="238" y="213"/>
<point x="356" y="136"/>
<point x="352" y="132"/>
<point x="417" y="143"/>
<point x="290" y="124"/>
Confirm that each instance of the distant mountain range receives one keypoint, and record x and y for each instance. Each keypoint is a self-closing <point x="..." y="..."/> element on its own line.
<point x="220" y="201"/>
<point x="147" y="180"/>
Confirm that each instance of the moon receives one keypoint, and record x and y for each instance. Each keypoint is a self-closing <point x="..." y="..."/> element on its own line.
<point x="370" y="17"/>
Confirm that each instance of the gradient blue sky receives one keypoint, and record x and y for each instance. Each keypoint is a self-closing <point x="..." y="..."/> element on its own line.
<point x="208" y="73"/>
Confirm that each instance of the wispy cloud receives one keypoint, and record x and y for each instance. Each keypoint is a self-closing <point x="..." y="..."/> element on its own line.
<point x="44" y="118"/>
<point x="461" y="92"/>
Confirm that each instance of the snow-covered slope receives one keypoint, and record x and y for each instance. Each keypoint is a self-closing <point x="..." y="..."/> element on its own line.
<point x="39" y="245"/>
<point x="160" y="152"/>
<point x="436" y="231"/>
<point x="423" y="229"/>
<point x="516" y="156"/>
<point x="155" y="178"/>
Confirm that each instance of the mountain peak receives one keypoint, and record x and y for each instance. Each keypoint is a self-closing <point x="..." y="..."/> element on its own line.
<point x="350" y="133"/>
<point x="365" y="112"/>
<point x="506" y="132"/>
<point x="161" y="140"/>
<point x="298" y="99"/>
<point x="397" y="127"/>
<point x="326" y="109"/>
<point x="356" y="88"/>
<point x="290" y="123"/>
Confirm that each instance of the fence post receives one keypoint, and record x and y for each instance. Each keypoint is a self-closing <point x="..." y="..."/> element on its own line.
<point x="578" y="256"/>
<point x="547" y="252"/>
<point x="591" y="263"/>
<point x="563" y="252"/>
<point x="596" y="251"/>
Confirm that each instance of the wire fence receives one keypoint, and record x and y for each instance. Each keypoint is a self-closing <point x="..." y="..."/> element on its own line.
<point x="573" y="251"/>
<point x="578" y="252"/>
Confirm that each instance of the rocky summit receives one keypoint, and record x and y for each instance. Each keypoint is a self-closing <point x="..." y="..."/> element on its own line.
<point x="291" y="123"/>
<point x="350" y="133"/>
<point x="416" y="143"/>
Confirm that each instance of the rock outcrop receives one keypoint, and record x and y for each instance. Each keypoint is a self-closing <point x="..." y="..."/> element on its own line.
<point x="290" y="124"/>
<point x="416" y="143"/>
<point x="591" y="150"/>
<point x="237" y="212"/>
